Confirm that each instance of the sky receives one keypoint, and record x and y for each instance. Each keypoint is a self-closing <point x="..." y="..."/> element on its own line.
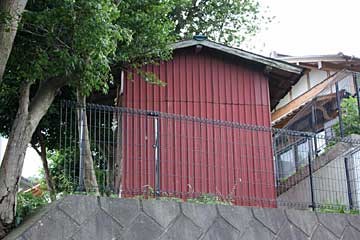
<point x="310" y="27"/>
<point x="32" y="162"/>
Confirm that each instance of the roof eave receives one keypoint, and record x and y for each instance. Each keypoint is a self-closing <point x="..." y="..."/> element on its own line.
<point x="318" y="58"/>
<point x="275" y="63"/>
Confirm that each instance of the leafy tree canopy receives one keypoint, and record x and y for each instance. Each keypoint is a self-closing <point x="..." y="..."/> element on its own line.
<point x="80" y="41"/>
<point x="225" y="21"/>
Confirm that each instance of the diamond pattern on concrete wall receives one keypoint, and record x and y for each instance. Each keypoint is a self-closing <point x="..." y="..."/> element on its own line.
<point x="221" y="230"/>
<point x="90" y="218"/>
<point x="304" y="220"/>
<point x="79" y="207"/>
<point x="322" y="233"/>
<point x="54" y="225"/>
<point x="183" y="228"/>
<point x="110" y="228"/>
<point x="335" y="223"/>
<point x="289" y="231"/>
<point x="202" y="215"/>
<point x="124" y="211"/>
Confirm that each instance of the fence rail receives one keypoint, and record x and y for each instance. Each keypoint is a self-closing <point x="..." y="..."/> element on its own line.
<point x="138" y="153"/>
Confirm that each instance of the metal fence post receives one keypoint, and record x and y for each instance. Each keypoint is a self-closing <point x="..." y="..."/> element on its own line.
<point x="156" y="146"/>
<point x="81" y="148"/>
<point x="338" y="105"/>
<point x="276" y="178"/>
<point x="348" y="182"/>
<point x="313" y="125"/>
<point x="310" y="175"/>
<point x="356" y="85"/>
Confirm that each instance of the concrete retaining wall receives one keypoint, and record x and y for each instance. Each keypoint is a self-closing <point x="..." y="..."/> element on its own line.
<point x="92" y="218"/>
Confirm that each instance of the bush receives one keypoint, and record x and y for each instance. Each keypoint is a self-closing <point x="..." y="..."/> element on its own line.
<point x="209" y="199"/>
<point x="202" y="199"/>
<point x="350" y="117"/>
<point x="62" y="170"/>
<point x="27" y="204"/>
<point x="337" y="208"/>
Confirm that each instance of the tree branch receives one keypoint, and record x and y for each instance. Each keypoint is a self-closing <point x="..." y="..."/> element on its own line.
<point x="36" y="149"/>
<point x="8" y="31"/>
<point x="24" y="98"/>
<point x="43" y="36"/>
<point x="45" y="95"/>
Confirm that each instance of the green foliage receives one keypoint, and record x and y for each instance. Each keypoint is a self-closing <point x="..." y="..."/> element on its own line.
<point x="224" y="21"/>
<point x="81" y="41"/>
<point x="5" y="20"/>
<point x="68" y="39"/>
<point x="8" y="105"/>
<point x="149" y="32"/>
<point x="210" y="199"/>
<point x="202" y="199"/>
<point x="62" y="171"/>
<point x="350" y="117"/>
<point x="150" y="78"/>
<point x="337" y="208"/>
<point x="28" y="204"/>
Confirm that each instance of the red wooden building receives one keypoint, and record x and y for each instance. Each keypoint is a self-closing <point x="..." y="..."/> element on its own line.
<point x="207" y="80"/>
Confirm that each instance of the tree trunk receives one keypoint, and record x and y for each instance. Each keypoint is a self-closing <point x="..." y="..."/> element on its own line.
<point x="90" y="181"/>
<point x="27" y="119"/>
<point x="12" y="163"/>
<point x="12" y="10"/>
<point x="43" y="155"/>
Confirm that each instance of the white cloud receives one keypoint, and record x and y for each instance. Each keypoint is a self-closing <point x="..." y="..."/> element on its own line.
<point x="311" y="27"/>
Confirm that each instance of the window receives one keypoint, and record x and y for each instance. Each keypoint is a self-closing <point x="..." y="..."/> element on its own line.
<point x="302" y="154"/>
<point x="286" y="164"/>
<point x="293" y="159"/>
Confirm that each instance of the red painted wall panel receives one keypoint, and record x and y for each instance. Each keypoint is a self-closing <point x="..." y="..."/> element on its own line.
<point x="196" y="157"/>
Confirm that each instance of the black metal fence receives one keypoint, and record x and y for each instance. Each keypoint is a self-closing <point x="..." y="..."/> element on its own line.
<point x="138" y="153"/>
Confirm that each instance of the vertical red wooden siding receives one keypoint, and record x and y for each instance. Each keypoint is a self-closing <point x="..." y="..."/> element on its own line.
<point x="199" y="158"/>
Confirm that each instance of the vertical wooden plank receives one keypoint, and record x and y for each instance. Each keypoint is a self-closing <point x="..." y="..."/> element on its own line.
<point x="134" y="159"/>
<point x="258" y="163"/>
<point x="271" y="191"/>
<point x="229" y="137"/>
<point x="248" y="141"/>
<point x="183" y="89"/>
<point x="170" y="127"/>
<point x="177" y="124"/>
<point x="156" y="88"/>
<point x="244" y="191"/>
<point x="217" y="137"/>
<point x="237" y="159"/>
<point x="203" y="127"/>
<point x="189" y="131"/>
<point x="124" y="136"/>
<point x="164" y="162"/>
<point x="222" y="160"/>
<point x="196" y="131"/>
<point x="264" y="157"/>
<point x="130" y="138"/>
<point x="210" y="128"/>
<point x="124" y="152"/>
<point x="148" y="139"/>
